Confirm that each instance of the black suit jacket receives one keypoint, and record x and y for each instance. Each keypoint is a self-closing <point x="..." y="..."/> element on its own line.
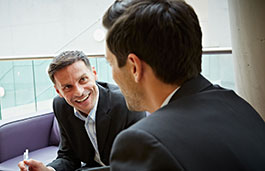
<point x="204" y="127"/>
<point x="112" y="116"/>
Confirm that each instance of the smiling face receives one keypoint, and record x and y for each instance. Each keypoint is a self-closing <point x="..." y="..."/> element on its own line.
<point x="76" y="83"/>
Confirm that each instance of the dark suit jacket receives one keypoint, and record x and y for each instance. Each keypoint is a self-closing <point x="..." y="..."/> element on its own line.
<point x="112" y="116"/>
<point x="204" y="127"/>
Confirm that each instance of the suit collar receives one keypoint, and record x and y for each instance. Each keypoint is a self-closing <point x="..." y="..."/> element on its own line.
<point x="102" y="117"/>
<point x="191" y="86"/>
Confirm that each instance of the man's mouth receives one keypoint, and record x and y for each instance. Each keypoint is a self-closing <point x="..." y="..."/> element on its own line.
<point x="83" y="99"/>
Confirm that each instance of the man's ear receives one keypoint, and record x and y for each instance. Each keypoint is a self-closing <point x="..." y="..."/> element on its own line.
<point x="58" y="92"/>
<point x="95" y="73"/>
<point x="136" y="66"/>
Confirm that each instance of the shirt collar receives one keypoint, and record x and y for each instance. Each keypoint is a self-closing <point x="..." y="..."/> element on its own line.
<point x="169" y="97"/>
<point x="92" y="113"/>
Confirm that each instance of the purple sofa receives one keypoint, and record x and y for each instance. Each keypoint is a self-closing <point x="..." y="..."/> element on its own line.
<point x="39" y="134"/>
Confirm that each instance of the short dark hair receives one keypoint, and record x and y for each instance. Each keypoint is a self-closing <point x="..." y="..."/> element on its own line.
<point x="114" y="12"/>
<point x="163" y="33"/>
<point x="65" y="59"/>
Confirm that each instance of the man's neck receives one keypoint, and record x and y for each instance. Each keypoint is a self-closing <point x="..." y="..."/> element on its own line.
<point x="154" y="91"/>
<point x="157" y="94"/>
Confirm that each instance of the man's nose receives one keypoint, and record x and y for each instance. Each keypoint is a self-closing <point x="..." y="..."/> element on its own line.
<point x="79" y="90"/>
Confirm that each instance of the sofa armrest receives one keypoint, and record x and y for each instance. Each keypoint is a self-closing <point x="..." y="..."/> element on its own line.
<point x="30" y="133"/>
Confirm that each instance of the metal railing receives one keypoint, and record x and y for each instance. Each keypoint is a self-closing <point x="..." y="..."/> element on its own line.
<point x="208" y="51"/>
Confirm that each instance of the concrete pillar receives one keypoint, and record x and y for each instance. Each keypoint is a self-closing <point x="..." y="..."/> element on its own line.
<point x="247" y="22"/>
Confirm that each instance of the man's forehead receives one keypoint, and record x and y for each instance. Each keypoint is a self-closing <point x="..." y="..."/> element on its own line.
<point x="59" y="82"/>
<point x="68" y="80"/>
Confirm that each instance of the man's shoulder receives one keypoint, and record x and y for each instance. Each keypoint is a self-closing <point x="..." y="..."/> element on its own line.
<point x="112" y="98"/>
<point x="147" y="124"/>
<point x="60" y="104"/>
<point x="110" y="92"/>
<point x="188" y="110"/>
<point x="108" y="87"/>
<point x="57" y="100"/>
<point x="143" y="130"/>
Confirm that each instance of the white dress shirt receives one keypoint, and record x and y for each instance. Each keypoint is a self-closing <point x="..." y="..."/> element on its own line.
<point x="169" y="97"/>
<point x="90" y="126"/>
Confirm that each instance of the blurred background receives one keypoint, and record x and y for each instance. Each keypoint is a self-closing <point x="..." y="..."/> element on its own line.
<point x="34" y="31"/>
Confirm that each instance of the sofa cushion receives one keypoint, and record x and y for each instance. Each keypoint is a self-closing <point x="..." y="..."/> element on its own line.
<point x="31" y="133"/>
<point x="45" y="155"/>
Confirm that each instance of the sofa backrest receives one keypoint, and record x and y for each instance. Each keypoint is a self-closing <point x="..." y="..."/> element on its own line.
<point x="55" y="133"/>
<point x="30" y="133"/>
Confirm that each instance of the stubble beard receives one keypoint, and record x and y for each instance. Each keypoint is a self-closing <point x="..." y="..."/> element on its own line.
<point x="134" y="102"/>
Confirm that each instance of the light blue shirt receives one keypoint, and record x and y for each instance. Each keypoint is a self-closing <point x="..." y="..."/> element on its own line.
<point x="90" y="126"/>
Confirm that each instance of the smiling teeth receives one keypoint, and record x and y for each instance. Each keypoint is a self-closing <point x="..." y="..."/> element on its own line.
<point x="82" y="99"/>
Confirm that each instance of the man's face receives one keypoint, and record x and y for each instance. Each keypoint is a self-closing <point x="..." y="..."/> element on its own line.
<point x="76" y="83"/>
<point x="125" y="81"/>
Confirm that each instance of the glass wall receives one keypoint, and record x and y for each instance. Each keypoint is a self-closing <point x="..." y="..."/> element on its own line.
<point x="28" y="88"/>
<point x="219" y="69"/>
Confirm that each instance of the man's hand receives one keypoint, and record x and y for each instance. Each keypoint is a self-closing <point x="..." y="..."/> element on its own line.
<point x="33" y="165"/>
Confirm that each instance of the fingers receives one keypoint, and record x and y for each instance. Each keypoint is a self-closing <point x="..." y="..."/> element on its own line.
<point x="22" y="166"/>
<point x="28" y="163"/>
<point x="33" y="165"/>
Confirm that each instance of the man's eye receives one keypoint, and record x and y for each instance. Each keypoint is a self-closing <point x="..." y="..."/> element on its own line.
<point x="84" y="79"/>
<point x="67" y="88"/>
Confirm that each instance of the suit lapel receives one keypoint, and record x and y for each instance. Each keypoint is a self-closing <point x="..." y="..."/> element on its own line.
<point x="102" y="118"/>
<point x="191" y="86"/>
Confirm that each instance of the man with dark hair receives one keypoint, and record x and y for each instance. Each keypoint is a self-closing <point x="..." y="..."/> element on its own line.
<point x="154" y="48"/>
<point x="90" y="115"/>
<point x="115" y="11"/>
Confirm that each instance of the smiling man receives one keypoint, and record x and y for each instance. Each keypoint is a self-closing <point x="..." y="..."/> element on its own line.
<point x="90" y="115"/>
